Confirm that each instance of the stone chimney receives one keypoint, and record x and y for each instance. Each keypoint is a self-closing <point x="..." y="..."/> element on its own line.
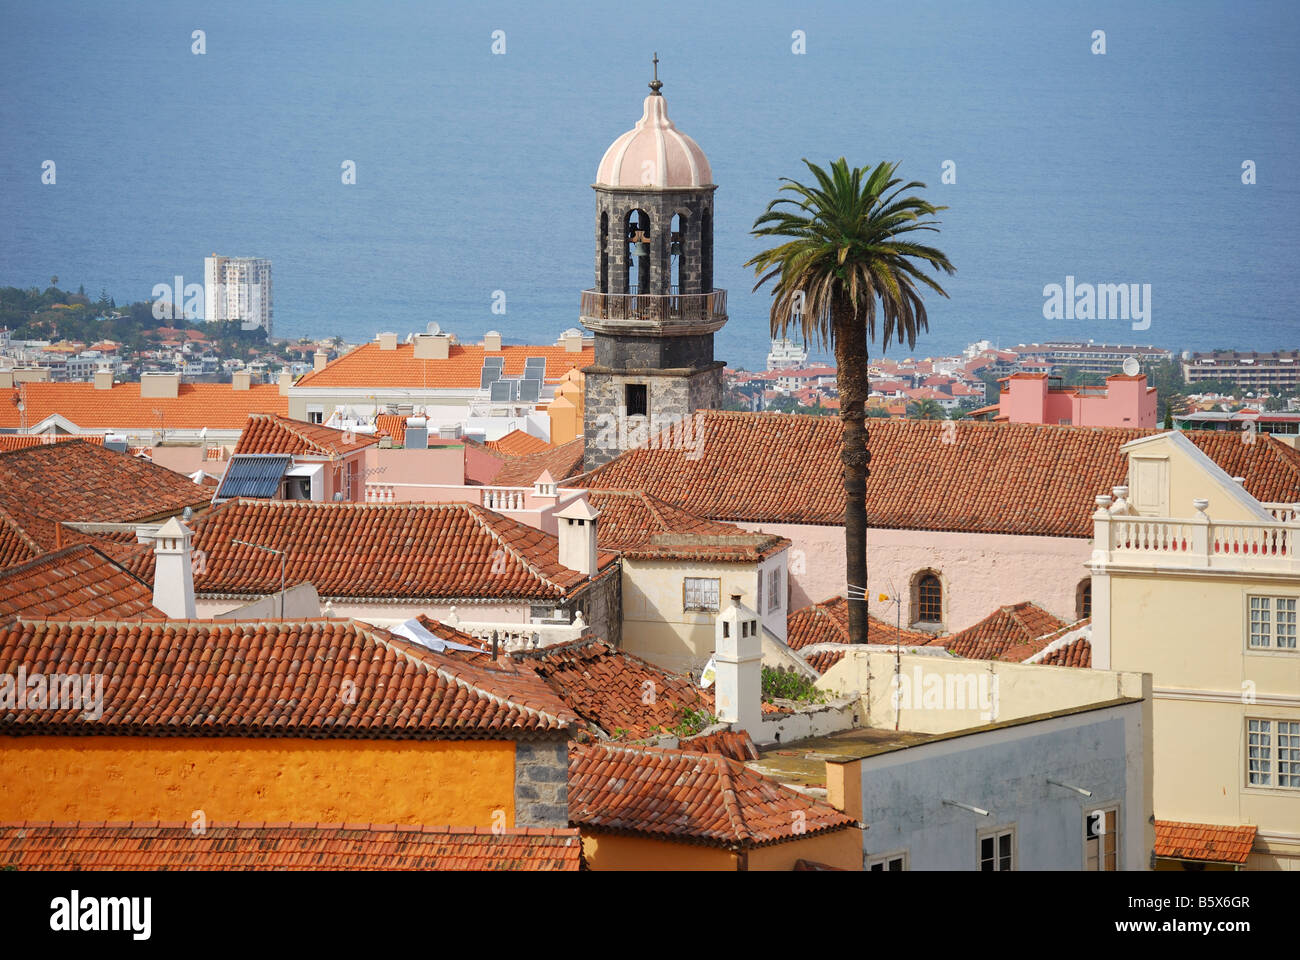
<point x="160" y="385"/>
<point x="319" y="360"/>
<point x="577" y="534"/>
<point x="435" y="346"/>
<point x="173" y="575"/>
<point x="241" y="380"/>
<point x="738" y="659"/>
<point x="286" y="381"/>
<point x="492" y="341"/>
<point x="104" y="378"/>
<point x="387" y="341"/>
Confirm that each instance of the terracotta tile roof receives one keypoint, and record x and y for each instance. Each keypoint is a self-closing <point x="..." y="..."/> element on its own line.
<point x="688" y="797"/>
<point x="21" y="441"/>
<point x="213" y="405"/>
<point x="409" y="551"/>
<point x="45" y="485"/>
<point x="735" y="744"/>
<point x="994" y="478"/>
<point x="270" y="433"/>
<point x="643" y="527"/>
<point x="394" y="425"/>
<point x="828" y="622"/>
<point x="610" y="688"/>
<point x="1076" y="653"/>
<point x="77" y="581"/>
<point x="1004" y="629"/>
<point x="137" y="845"/>
<point x="369" y="366"/>
<point x="16" y="545"/>
<point x="823" y="660"/>
<point x="516" y="443"/>
<point x="1204" y="841"/>
<point x="563" y="462"/>
<point x="313" y="678"/>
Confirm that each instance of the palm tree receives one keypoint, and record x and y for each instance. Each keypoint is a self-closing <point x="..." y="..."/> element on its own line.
<point x="846" y="259"/>
<point x="927" y="409"/>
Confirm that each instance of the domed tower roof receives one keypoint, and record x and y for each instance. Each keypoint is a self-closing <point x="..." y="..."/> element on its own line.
<point x="654" y="153"/>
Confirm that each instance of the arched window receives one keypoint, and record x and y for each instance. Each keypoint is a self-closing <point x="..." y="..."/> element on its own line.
<point x="927" y="599"/>
<point x="638" y="251"/>
<point x="676" y="247"/>
<point x="1083" y="599"/>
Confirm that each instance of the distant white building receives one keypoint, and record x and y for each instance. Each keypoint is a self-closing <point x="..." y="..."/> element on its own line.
<point x="786" y="353"/>
<point x="238" y="288"/>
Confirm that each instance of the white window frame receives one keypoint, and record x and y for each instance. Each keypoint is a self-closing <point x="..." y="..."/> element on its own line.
<point x="995" y="833"/>
<point x="1270" y="617"/>
<point x="1272" y="737"/>
<point x="698" y="584"/>
<point x="1089" y="813"/>
<point x="773" y="589"/>
<point x="881" y="861"/>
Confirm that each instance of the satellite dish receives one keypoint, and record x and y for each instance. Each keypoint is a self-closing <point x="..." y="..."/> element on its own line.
<point x="1131" y="366"/>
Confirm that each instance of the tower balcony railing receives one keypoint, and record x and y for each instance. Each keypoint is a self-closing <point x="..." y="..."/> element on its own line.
<point x="671" y="308"/>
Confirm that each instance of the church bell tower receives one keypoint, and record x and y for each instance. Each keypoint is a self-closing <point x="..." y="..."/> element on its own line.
<point x="654" y="309"/>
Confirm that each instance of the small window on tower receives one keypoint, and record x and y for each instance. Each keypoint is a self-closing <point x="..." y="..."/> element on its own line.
<point x="637" y="399"/>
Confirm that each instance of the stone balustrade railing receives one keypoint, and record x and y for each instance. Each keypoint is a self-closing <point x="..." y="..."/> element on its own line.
<point x="513" y="637"/>
<point x="1195" y="542"/>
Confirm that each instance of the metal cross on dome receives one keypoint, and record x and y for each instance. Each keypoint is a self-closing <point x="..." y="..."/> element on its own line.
<point x="656" y="84"/>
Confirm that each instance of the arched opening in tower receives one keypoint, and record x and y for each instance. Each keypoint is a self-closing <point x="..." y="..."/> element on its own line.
<point x="706" y="252"/>
<point x="638" y="252"/>
<point x="604" y="251"/>
<point x="676" y="251"/>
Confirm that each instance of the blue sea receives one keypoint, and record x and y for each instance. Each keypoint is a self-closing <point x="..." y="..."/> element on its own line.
<point x="473" y="168"/>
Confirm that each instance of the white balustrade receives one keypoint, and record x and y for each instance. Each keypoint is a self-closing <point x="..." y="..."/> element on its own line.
<point x="1196" y="542"/>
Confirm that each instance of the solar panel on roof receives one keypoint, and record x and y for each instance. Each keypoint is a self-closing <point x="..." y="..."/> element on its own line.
<point x="535" y="368"/>
<point x="253" y="475"/>
<point x="530" y="390"/>
<point x="500" y="391"/>
<point x="497" y="362"/>
<point x="488" y="377"/>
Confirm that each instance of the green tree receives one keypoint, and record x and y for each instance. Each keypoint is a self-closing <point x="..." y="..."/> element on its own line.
<point x="848" y="260"/>
<point x="926" y="410"/>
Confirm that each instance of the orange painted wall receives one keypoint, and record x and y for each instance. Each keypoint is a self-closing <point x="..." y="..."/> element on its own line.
<point x="842" y="849"/>
<point x="459" y="783"/>
<point x="607" y="851"/>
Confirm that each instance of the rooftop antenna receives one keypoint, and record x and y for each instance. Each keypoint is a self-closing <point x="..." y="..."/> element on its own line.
<point x="656" y="84"/>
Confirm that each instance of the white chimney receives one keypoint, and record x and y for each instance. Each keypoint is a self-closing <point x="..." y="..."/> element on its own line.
<point x="431" y="346"/>
<point x="241" y="380"/>
<point x="492" y="342"/>
<point x="286" y="381"/>
<point x="104" y="378"/>
<point x="738" y="660"/>
<point x="319" y="361"/>
<point x="577" y="533"/>
<point x="173" y="575"/>
<point x="387" y="341"/>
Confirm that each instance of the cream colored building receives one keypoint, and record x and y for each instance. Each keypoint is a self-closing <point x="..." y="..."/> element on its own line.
<point x="1198" y="583"/>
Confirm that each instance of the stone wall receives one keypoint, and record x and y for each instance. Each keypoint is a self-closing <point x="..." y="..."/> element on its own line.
<point x="672" y="395"/>
<point x="695" y="207"/>
<point x="542" y="783"/>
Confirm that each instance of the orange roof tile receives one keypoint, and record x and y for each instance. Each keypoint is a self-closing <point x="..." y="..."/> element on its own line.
<point x="77" y="581"/>
<point x="21" y="441"/>
<point x="610" y="688"/>
<point x="394" y="425"/>
<point x="16" y="544"/>
<point x="1009" y="478"/>
<point x="271" y="433"/>
<point x="312" y="678"/>
<point x="1204" y="841"/>
<point x="413" y="551"/>
<point x="1002" y="630"/>
<point x="688" y="797"/>
<point x="196" y="405"/>
<point x="643" y="527"/>
<point x="1076" y="653"/>
<point x="138" y="845"/>
<point x="42" y="486"/>
<point x="563" y="462"/>
<point x="828" y="622"/>
<point x="370" y="366"/>
<point x="516" y="443"/>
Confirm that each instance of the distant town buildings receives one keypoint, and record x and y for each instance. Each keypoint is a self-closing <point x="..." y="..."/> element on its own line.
<point x="238" y="288"/>
<point x="1125" y="401"/>
<point x="785" y="353"/>
<point x="1279" y="370"/>
<point x="1087" y="356"/>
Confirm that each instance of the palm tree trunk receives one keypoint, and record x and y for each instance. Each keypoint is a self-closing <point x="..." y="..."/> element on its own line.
<point x="854" y="386"/>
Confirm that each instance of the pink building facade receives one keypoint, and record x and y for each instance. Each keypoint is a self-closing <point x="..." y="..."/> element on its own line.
<point x="1033" y="398"/>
